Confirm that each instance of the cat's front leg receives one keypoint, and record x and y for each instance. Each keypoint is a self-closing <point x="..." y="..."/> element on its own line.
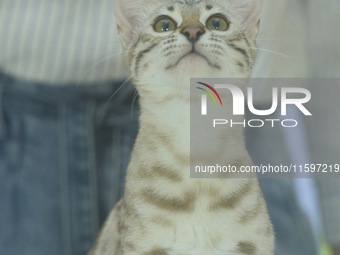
<point x="109" y="240"/>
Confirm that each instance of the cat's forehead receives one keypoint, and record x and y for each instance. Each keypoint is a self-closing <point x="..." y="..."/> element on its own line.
<point x="188" y="2"/>
<point x="189" y="7"/>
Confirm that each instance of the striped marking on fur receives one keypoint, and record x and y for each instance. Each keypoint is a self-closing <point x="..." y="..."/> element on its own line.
<point x="176" y="204"/>
<point x="246" y="248"/>
<point x="242" y="51"/>
<point x="252" y="213"/>
<point x="156" y="251"/>
<point x="141" y="55"/>
<point x="159" y="171"/>
<point x="230" y="201"/>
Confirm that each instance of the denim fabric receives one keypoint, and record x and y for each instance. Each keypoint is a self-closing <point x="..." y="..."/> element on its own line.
<point x="292" y="229"/>
<point x="63" y="156"/>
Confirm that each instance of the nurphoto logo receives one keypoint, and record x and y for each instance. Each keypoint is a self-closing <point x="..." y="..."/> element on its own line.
<point x="281" y="99"/>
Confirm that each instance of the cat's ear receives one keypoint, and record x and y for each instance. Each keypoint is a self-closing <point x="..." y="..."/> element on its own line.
<point x="250" y="11"/>
<point x="126" y="12"/>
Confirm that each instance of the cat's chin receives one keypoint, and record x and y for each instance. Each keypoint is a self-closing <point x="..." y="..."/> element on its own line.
<point x="195" y="63"/>
<point x="194" y="58"/>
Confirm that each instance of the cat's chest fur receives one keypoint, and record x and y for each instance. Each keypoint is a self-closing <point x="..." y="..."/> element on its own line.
<point x="163" y="210"/>
<point x="206" y="228"/>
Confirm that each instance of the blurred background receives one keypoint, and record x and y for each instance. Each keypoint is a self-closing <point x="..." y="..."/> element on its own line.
<point x="50" y="50"/>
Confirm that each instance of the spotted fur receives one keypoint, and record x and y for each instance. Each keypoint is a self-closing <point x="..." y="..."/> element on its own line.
<point x="164" y="211"/>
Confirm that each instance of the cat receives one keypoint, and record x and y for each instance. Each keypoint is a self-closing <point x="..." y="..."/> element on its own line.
<point x="163" y="210"/>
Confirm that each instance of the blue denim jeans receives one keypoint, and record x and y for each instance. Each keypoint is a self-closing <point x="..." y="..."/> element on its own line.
<point x="63" y="156"/>
<point x="293" y="232"/>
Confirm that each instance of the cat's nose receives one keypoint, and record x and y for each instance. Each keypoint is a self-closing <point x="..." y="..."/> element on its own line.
<point x="192" y="32"/>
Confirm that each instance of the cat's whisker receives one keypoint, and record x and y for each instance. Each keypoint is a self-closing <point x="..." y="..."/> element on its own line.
<point x="115" y="93"/>
<point x="270" y="39"/>
<point x="270" y="51"/>
<point x="135" y="96"/>
<point x="98" y="63"/>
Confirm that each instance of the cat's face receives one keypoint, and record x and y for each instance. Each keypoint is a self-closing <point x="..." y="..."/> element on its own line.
<point x="175" y="40"/>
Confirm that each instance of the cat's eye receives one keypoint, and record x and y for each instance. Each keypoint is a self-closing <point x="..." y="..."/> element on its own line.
<point x="165" y="24"/>
<point x="217" y="23"/>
